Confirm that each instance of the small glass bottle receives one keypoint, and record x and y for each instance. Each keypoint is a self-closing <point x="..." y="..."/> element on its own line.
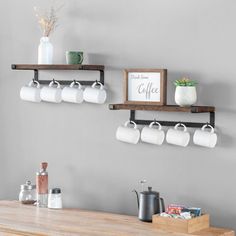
<point x="28" y="193"/>
<point x="54" y="198"/>
<point x="42" y="185"/>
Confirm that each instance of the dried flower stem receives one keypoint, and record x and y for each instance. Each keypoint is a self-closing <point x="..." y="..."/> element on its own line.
<point x="47" y="20"/>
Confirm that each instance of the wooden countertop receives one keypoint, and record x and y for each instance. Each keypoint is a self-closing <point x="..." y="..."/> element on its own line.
<point x="18" y="219"/>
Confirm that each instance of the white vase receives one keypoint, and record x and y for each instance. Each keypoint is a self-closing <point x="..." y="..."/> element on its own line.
<point x="45" y="51"/>
<point x="185" y="96"/>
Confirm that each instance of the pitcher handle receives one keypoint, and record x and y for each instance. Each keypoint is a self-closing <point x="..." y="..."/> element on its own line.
<point x="134" y="191"/>
<point x="162" y="204"/>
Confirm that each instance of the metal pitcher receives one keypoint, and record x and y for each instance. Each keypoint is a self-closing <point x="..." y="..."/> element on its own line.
<point x="149" y="204"/>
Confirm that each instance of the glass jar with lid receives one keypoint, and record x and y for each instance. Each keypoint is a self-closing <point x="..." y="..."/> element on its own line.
<point x="28" y="193"/>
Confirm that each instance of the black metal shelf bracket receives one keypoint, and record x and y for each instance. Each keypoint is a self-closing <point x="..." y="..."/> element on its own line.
<point x="36" y="75"/>
<point x="173" y="123"/>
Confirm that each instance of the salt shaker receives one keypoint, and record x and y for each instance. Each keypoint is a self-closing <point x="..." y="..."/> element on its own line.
<point x="55" y="199"/>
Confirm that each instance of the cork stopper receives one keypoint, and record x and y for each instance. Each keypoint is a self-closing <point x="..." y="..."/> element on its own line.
<point x="44" y="165"/>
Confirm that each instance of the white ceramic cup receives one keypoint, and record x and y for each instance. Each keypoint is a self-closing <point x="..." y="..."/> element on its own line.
<point x="151" y="135"/>
<point x="205" y="138"/>
<point x="128" y="134"/>
<point x="178" y="137"/>
<point x="95" y="95"/>
<point x="50" y="93"/>
<point x="72" y="94"/>
<point x="30" y="92"/>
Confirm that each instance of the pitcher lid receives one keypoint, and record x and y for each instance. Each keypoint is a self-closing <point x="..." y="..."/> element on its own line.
<point x="149" y="192"/>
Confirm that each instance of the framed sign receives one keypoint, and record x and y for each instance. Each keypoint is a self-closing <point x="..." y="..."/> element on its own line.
<point x="145" y="86"/>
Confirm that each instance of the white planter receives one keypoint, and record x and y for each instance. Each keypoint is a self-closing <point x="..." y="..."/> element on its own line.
<point x="45" y="51"/>
<point x="185" y="96"/>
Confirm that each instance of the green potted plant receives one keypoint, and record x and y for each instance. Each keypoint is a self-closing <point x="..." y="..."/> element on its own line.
<point x="185" y="92"/>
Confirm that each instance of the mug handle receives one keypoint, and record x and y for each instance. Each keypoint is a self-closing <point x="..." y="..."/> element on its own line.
<point x="34" y="82"/>
<point x="131" y="122"/>
<point x="74" y="83"/>
<point x="207" y="125"/>
<point x="155" y="123"/>
<point x="55" y="82"/>
<point x="180" y="124"/>
<point x="81" y="58"/>
<point x="95" y="83"/>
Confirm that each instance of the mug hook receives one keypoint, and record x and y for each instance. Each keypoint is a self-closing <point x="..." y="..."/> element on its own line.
<point x="155" y="121"/>
<point x="54" y="81"/>
<point x="35" y="81"/>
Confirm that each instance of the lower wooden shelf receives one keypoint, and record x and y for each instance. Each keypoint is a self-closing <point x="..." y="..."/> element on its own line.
<point x="166" y="108"/>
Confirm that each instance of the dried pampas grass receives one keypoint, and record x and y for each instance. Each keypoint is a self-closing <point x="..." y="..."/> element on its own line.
<point x="47" y="20"/>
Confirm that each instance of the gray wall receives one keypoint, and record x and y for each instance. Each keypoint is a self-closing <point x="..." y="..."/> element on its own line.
<point x="188" y="37"/>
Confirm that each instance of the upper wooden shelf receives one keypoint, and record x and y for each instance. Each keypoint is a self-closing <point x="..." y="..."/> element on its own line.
<point x="167" y="108"/>
<point x="57" y="67"/>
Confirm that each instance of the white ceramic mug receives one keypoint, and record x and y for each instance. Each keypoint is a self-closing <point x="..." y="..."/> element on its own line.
<point x="178" y="137"/>
<point x="205" y="138"/>
<point x="128" y="134"/>
<point x="95" y="95"/>
<point x="151" y="135"/>
<point x="50" y="93"/>
<point x="31" y="93"/>
<point x="72" y="94"/>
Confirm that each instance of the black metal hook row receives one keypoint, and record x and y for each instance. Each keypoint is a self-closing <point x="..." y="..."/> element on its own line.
<point x="61" y="82"/>
<point x="154" y="120"/>
<point x="173" y="123"/>
<point x="67" y="82"/>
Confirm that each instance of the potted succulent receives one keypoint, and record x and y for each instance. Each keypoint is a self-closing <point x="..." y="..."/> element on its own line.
<point x="185" y="92"/>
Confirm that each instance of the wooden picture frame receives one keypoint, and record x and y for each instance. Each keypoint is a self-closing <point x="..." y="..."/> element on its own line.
<point x="145" y="86"/>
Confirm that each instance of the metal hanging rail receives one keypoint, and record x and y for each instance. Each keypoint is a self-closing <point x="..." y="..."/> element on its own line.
<point x="173" y="123"/>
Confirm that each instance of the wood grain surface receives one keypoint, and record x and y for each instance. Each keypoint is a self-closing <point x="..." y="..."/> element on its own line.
<point x="166" y="108"/>
<point x="56" y="67"/>
<point x="18" y="219"/>
<point x="181" y="225"/>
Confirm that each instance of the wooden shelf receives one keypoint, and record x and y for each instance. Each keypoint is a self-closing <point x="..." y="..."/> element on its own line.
<point x="57" y="67"/>
<point x="166" y="108"/>
<point x="36" y="68"/>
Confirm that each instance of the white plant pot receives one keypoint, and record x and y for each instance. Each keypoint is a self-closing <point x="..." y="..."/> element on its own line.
<point x="185" y="96"/>
<point x="45" y="51"/>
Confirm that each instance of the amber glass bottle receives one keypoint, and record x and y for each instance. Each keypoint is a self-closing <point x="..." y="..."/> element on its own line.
<point x="42" y="185"/>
